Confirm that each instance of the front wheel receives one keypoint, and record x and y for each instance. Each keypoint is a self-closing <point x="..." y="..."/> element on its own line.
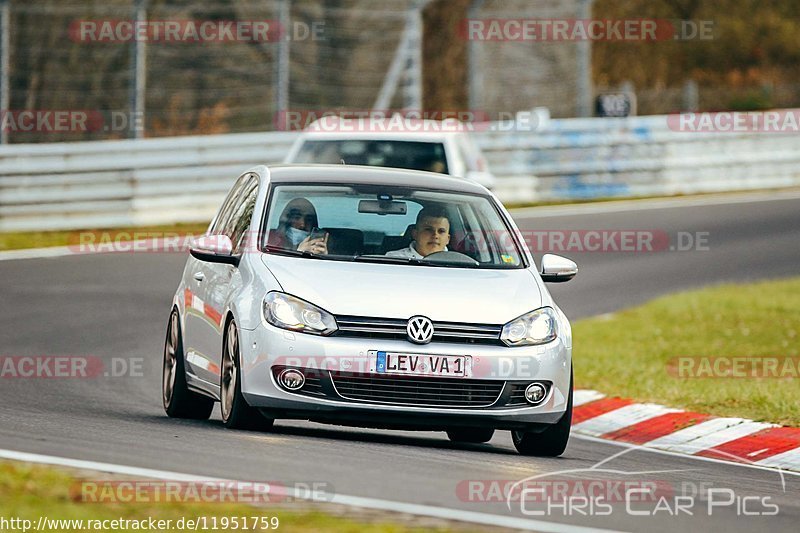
<point x="179" y="401"/>
<point x="236" y="413"/>
<point x="552" y="441"/>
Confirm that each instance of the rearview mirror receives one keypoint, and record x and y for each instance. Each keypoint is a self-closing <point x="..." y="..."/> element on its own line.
<point x="382" y="207"/>
<point x="214" y="249"/>
<point x="557" y="269"/>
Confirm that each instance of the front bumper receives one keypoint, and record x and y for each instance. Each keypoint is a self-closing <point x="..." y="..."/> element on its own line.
<point x="266" y="349"/>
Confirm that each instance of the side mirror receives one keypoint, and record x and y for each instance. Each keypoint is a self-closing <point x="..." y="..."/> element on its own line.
<point x="214" y="249"/>
<point x="557" y="269"/>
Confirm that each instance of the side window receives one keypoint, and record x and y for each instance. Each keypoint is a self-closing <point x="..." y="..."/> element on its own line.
<point x="242" y="214"/>
<point x="475" y="242"/>
<point x="223" y="214"/>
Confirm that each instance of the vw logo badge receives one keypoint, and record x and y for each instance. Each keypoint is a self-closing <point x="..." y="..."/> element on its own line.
<point x="419" y="329"/>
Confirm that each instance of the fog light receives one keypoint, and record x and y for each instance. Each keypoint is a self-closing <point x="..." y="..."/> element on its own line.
<point x="291" y="379"/>
<point x="535" y="393"/>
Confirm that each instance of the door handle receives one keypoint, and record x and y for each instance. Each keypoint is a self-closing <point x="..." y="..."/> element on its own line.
<point x="199" y="276"/>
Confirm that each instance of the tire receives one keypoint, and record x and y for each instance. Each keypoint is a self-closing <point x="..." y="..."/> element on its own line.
<point x="236" y="413"/>
<point x="552" y="441"/>
<point x="470" y="435"/>
<point x="179" y="401"/>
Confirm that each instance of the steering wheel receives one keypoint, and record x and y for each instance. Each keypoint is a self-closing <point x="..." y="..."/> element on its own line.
<point x="448" y="256"/>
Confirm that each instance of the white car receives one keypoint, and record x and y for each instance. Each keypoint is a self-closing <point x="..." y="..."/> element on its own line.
<point x="426" y="145"/>
<point x="372" y="297"/>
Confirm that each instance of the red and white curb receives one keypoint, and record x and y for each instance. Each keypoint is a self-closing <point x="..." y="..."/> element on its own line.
<point x="655" y="426"/>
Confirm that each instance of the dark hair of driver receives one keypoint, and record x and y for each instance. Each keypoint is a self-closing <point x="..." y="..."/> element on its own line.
<point x="432" y="211"/>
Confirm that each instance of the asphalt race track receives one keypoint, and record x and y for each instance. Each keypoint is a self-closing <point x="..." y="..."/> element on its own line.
<point x="116" y="306"/>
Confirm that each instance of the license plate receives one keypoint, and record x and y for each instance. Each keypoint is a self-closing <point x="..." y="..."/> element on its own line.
<point x="420" y="364"/>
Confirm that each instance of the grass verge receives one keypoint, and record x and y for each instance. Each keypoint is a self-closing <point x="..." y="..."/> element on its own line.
<point x="20" y="240"/>
<point x="30" y="491"/>
<point x="638" y="353"/>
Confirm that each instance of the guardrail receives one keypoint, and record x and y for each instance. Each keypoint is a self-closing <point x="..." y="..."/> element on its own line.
<point x="637" y="156"/>
<point x="183" y="179"/>
<point x="126" y="183"/>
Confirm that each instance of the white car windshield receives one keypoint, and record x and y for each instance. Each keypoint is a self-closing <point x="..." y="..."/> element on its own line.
<point x="386" y="224"/>
<point x="412" y="155"/>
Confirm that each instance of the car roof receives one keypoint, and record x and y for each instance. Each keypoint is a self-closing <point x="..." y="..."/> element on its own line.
<point x="420" y="136"/>
<point x="364" y="175"/>
<point x="389" y="128"/>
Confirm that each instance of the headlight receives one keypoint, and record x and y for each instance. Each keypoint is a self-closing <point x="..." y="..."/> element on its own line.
<point x="288" y="312"/>
<point x="536" y="327"/>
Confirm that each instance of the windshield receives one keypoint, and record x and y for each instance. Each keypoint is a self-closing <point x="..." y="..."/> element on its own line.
<point x="386" y="224"/>
<point x="412" y="155"/>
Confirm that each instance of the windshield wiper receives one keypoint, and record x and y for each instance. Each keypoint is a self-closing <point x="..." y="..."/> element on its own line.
<point x="286" y="251"/>
<point x="415" y="261"/>
<point x="388" y="259"/>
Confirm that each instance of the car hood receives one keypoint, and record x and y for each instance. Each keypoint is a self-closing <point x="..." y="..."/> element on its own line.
<point x="402" y="291"/>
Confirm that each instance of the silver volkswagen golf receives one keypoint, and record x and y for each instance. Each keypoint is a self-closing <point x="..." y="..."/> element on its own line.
<point x="370" y="297"/>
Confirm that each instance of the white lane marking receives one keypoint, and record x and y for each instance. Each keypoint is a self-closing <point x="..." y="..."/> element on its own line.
<point x="157" y="245"/>
<point x="789" y="459"/>
<point x="341" y="499"/>
<point x="645" y="205"/>
<point x="621" y="418"/>
<point x="679" y="455"/>
<point x="708" y="434"/>
<point x="582" y="396"/>
<point x="36" y="253"/>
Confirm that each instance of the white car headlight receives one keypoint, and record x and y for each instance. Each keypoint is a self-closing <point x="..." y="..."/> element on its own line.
<point x="537" y="327"/>
<point x="287" y="312"/>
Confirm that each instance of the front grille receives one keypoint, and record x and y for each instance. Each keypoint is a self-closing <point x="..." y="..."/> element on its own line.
<point x="313" y="385"/>
<point x="518" y="395"/>
<point x="393" y="328"/>
<point x="427" y="391"/>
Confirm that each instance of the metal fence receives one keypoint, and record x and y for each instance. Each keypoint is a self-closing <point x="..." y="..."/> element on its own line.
<point x="183" y="179"/>
<point x="87" y="55"/>
<point x="83" y="56"/>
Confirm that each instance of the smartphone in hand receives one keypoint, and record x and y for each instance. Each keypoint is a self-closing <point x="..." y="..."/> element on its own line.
<point x="317" y="233"/>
